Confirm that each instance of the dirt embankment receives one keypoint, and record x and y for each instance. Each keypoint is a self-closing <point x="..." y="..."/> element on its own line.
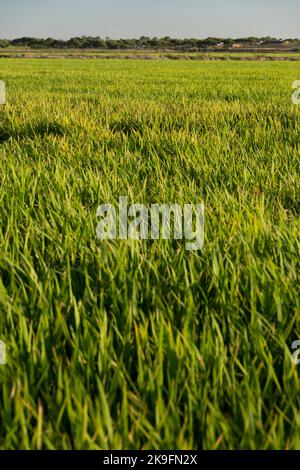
<point x="182" y="56"/>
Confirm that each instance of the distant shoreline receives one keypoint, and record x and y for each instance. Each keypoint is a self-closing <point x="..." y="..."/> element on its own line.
<point x="246" y="55"/>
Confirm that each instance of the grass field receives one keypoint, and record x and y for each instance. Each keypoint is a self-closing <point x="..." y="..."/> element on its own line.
<point x="142" y="344"/>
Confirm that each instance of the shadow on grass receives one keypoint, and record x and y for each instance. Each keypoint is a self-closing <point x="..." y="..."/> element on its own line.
<point x="130" y="127"/>
<point x="30" y="131"/>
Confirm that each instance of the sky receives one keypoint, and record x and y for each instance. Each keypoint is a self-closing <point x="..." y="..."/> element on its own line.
<point x="63" y="19"/>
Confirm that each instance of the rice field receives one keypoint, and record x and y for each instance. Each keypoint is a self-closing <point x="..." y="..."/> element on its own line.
<point x="142" y="344"/>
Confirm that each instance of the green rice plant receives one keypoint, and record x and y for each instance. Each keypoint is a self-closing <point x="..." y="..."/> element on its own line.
<point x="143" y="345"/>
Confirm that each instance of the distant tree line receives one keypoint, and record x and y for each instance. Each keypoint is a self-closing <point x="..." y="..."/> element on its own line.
<point x="144" y="42"/>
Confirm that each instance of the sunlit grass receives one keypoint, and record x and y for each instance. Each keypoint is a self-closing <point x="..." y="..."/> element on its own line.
<point x="144" y="345"/>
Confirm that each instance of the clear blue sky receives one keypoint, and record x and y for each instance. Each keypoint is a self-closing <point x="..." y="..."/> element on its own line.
<point x="133" y="18"/>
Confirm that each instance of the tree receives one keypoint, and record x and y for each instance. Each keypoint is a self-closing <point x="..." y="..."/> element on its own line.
<point x="4" y="43"/>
